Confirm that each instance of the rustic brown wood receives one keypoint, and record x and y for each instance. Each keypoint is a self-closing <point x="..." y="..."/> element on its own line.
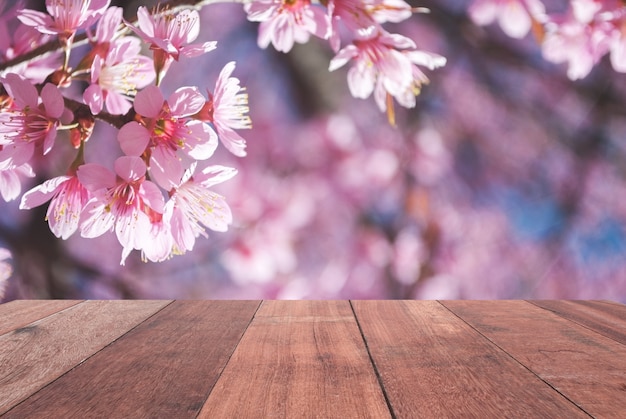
<point x="434" y="365"/>
<point x="584" y="366"/>
<point x="165" y="367"/>
<point x="19" y="313"/>
<point x="606" y="318"/>
<point x="33" y="356"/>
<point x="299" y="359"/>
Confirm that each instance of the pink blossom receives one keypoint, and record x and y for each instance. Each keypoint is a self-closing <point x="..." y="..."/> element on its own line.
<point x="170" y="35"/>
<point x="284" y="22"/>
<point x="391" y="10"/>
<point x="28" y="123"/>
<point x="194" y="206"/>
<point x="5" y="270"/>
<point x="126" y="203"/>
<point x="10" y="183"/>
<point x="21" y="41"/>
<point x="227" y="109"/>
<point x="116" y="79"/>
<point x="385" y="64"/>
<point x="515" y="17"/>
<point x="173" y="139"/>
<point x="67" y="198"/>
<point x="64" y="17"/>
<point x="351" y="13"/>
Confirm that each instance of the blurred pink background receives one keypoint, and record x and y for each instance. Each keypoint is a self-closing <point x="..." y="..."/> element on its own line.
<point x="506" y="181"/>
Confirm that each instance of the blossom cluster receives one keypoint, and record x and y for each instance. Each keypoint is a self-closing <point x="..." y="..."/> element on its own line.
<point x="158" y="197"/>
<point x="580" y="36"/>
<point x="385" y="64"/>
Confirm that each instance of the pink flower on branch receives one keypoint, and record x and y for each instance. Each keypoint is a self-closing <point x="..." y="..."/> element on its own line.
<point x="67" y="198"/>
<point x="116" y="78"/>
<point x="193" y="206"/>
<point x="387" y="65"/>
<point x="172" y="140"/>
<point x="64" y="17"/>
<point x="170" y="35"/>
<point x="29" y="122"/>
<point x="123" y="201"/>
<point x="284" y="22"/>
<point x="228" y="110"/>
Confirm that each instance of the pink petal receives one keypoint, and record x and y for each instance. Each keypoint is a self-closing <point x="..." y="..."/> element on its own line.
<point x="212" y="175"/>
<point x="93" y="97"/>
<point x="233" y="142"/>
<point x="149" y="102"/>
<point x="98" y="220"/>
<point x="117" y="104"/>
<point x="202" y="140"/>
<point x="42" y="193"/>
<point x="194" y="50"/>
<point x="95" y="177"/>
<point x="165" y="168"/>
<point x="24" y="93"/>
<point x="130" y="168"/>
<point x="186" y="101"/>
<point x="52" y="101"/>
<point x="133" y="138"/>
<point x="152" y="195"/>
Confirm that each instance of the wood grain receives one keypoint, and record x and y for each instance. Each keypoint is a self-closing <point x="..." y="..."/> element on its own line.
<point x="19" y="313"/>
<point x="165" y="367"/>
<point x="432" y="364"/>
<point x="584" y="366"/>
<point x="33" y="356"/>
<point x="606" y="318"/>
<point x="299" y="359"/>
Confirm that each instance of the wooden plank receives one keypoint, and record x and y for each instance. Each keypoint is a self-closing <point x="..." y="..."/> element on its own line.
<point x="33" y="356"/>
<point x="606" y="318"/>
<point x="19" y="313"/>
<point x="586" y="367"/>
<point x="165" y="367"/>
<point x="432" y="364"/>
<point x="299" y="359"/>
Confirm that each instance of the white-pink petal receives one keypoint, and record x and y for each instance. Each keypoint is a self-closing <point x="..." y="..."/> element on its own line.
<point x="149" y="101"/>
<point x="133" y="138"/>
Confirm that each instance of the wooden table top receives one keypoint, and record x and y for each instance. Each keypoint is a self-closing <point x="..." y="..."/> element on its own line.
<point x="322" y="359"/>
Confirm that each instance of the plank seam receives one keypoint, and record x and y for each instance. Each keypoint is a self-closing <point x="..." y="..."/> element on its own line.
<point x="79" y="302"/>
<point x="369" y="354"/>
<point x="219" y="375"/>
<point x="514" y="359"/>
<point x="576" y="322"/>
<point x="89" y="357"/>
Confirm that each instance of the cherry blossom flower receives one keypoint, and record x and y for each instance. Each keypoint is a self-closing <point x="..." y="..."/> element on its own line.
<point x="10" y="183"/>
<point x="284" y="22"/>
<point x="64" y="17"/>
<point x="116" y="79"/>
<point x="126" y="203"/>
<point x="170" y="36"/>
<point x="583" y="36"/>
<point x="385" y="64"/>
<point x="173" y="140"/>
<point x="515" y="17"/>
<point x="5" y="270"/>
<point x="227" y="110"/>
<point x="29" y="122"/>
<point x="193" y="205"/>
<point x="21" y="41"/>
<point x="67" y="198"/>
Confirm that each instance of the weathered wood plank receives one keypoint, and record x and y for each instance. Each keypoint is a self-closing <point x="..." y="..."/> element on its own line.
<point x="299" y="359"/>
<point x="432" y="364"/>
<point x="606" y="318"/>
<point x="165" y="367"/>
<point x="34" y="355"/>
<point x="19" y="313"/>
<point x="586" y="367"/>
